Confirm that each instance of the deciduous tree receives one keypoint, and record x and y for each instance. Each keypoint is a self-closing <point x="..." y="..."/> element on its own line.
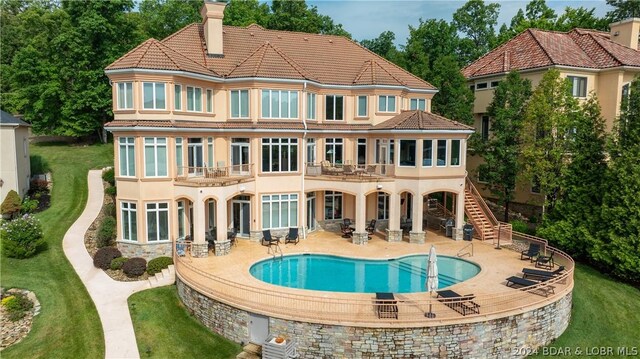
<point x="161" y="18"/>
<point x="477" y="21"/>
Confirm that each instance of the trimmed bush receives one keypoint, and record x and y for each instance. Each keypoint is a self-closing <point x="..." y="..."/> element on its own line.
<point x="134" y="267"/>
<point x="117" y="263"/>
<point x="111" y="191"/>
<point x="22" y="237"/>
<point x="11" y="204"/>
<point x="29" y="205"/>
<point x="106" y="232"/>
<point x="110" y="210"/>
<point x="109" y="176"/>
<point x="519" y="226"/>
<point x="156" y="265"/>
<point x="17" y="306"/>
<point x="104" y="256"/>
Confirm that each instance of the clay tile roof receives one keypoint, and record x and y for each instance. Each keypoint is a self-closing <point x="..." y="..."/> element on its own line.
<point x="269" y="61"/>
<point x="373" y="73"/>
<point x="420" y="120"/>
<point x="535" y="48"/>
<point x="238" y="125"/>
<point x="152" y="54"/>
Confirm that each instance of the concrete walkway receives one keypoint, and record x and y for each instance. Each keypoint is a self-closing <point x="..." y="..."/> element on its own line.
<point x="109" y="296"/>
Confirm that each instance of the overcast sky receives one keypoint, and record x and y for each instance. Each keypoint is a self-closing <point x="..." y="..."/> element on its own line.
<point x="366" y="19"/>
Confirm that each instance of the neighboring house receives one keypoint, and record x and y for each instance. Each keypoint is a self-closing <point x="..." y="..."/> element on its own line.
<point x="15" y="167"/>
<point x="219" y="127"/>
<point x="604" y="63"/>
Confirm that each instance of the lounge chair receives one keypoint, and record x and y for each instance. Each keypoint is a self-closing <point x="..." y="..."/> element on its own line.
<point x="462" y="304"/>
<point x="541" y="274"/>
<point x="371" y="227"/>
<point x="545" y="262"/>
<point x="531" y="253"/>
<point x="386" y="306"/>
<point x="328" y="169"/>
<point x="526" y="283"/>
<point x="268" y="239"/>
<point x="292" y="236"/>
<point x="347" y="232"/>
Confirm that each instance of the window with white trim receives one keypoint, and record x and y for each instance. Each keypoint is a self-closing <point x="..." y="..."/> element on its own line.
<point x="125" y="95"/>
<point x="279" y="104"/>
<point x="239" y="103"/>
<point x="311" y="106"/>
<point x="482" y="86"/>
<point x="455" y="153"/>
<point x="209" y="100"/>
<point x="210" y="156"/>
<point x="177" y="99"/>
<point x="194" y="99"/>
<point x="279" y="211"/>
<point x="181" y="219"/>
<point x="441" y="154"/>
<point x="494" y="84"/>
<point x="155" y="156"/>
<point x="485" y="128"/>
<point x="154" y="95"/>
<point x="407" y="153"/>
<point x="383" y="205"/>
<point x="127" y="157"/>
<point x="333" y="150"/>
<point x="362" y="151"/>
<point x="334" y="107"/>
<point x="279" y="154"/>
<point x="311" y="150"/>
<point x="427" y="153"/>
<point x="625" y="96"/>
<point x="129" y="221"/>
<point x="362" y="106"/>
<point x="332" y="205"/>
<point x="578" y="86"/>
<point x="418" y="104"/>
<point x="157" y="221"/>
<point x="386" y="103"/>
<point x="179" y="154"/>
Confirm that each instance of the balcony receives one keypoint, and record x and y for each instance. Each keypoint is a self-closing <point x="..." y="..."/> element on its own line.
<point x="349" y="172"/>
<point x="215" y="176"/>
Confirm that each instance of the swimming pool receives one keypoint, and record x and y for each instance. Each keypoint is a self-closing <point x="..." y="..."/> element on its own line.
<point x="342" y="274"/>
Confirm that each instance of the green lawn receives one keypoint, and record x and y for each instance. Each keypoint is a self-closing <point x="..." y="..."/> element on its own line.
<point x="68" y="325"/>
<point x="164" y="328"/>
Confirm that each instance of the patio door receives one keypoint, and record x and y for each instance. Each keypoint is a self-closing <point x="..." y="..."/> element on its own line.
<point x="194" y="156"/>
<point x="241" y="211"/>
<point x="383" y="151"/>
<point x="311" y="211"/>
<point x="240" y="156"/>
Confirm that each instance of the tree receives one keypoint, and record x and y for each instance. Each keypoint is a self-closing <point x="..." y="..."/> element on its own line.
<point x="454" y="99"/>
<point x="500" y="150"/>
<point x="476" y="20"/>
<point x="623" y="9"/>
<point x="429" y="41"/>
<point x="246" y="12"/>
<point x="546" y="135"/>
<point x="580" y="18"/>
<point x="161" y="18"/>
<point x="537" y="15"/>
<point x="383" y="45"/>
<point x="297" y="16"/>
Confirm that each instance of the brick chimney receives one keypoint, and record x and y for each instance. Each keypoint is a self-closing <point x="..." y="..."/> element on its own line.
<point x="212" y="14"/>
<point x="626" y="32"/>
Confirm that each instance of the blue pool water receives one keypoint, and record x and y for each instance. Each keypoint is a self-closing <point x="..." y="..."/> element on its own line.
<point x="341" y="274"/>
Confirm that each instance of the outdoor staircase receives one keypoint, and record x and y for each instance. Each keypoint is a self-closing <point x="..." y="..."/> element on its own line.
<point x="485" y="225"/>
<point x="166" y="277"/>
<point x="250" y="351"/>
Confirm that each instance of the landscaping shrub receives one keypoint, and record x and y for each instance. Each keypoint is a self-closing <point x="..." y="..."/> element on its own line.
<point x="110" y="210"/>
<point x="11" y="204"/>
<point x="156" y="265"/>
<point x="106" y="232"/>
<point x="39" y="165"/>
<point x="109" y="176"/>
<point x="38" y="185"/>
<point x="104" y="256"/>
<point x="17" y="306"/>
<point x="111" y="191"/>
<point x="134" y="267"/>
<point x="519" y="226"/>
<point x="117" y="263"/>
<point x="22" y="237"/>
<point x="29" y="205"/>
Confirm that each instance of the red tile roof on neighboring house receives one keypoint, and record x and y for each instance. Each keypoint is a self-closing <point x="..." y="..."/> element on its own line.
<point x="256" y="52"/>
<point x="420" y="120"/>
<point x="535" y="48"/>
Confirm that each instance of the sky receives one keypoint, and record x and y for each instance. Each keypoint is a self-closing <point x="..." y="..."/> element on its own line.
<point x="366" y="19"/>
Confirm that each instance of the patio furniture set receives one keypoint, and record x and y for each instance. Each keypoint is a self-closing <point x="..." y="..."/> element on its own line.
<point x="533" y="277"/>
<point x="347" y="169"/>
<point x="347" y="230"/>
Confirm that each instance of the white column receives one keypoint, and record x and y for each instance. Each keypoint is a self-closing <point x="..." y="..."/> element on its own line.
<point x="459" y="215"/>
<point x="221" y="219"/>
<point x="417" y="213"/>
<point x="361" y="213"/>
<point x="394" y="212"/>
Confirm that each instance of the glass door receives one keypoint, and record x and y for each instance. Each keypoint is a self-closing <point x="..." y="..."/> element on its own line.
<point x="195" y="158"/>
<point x="240" y="156"/>
<point x="311" y="211"/>
<point x="242" y="217"/>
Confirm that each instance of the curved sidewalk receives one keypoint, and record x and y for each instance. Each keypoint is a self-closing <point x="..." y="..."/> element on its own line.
<point x="109" y="296"/>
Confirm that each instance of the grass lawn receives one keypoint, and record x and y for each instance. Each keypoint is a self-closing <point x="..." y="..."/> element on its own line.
<point x="605" y="314"/>
<point x="68" y="325"/>
<point x="165" y="329"/>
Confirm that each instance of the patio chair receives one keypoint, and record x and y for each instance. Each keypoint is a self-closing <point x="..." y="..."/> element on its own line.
<point x="181" y="246"/>
<point x="541" y="274"/>
<point x="347" y="222"/>
<point x="386" y="306"/>
<point x="531" y="253"/>
<point x="348" y="170"/>
<point x="545" y="262"/>
<point x="370" y="170"/>
<point x="328" y="169"/>
<point x="347" y="232"/>
<point x="526" y="283"/>
<point x="462" y="304"/>
<point x="371" y="227"/>
<point x="231" y="235"/>
<point x="210" y="237"/>
<point x="268" y="239"/>
<point x="292" y="236"/>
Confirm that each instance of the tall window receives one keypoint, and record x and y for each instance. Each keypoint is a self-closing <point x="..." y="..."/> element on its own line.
<point x="578" y="86"/>
<point x="194" y="99"/>
<point x="210" y="152"/>
<point x="334" y="107"/>
<point x="625" y="96"/>
<point x="125" y="95"/>
<point x="418" y="104"/>
<point x="181" y="220"/>
<point x="455" y="153"/>
<point x="442" y="153"/>
<point x="179" y="155"/>
<point x="209" y="101"/>
<point x="129" y="221"/>
<point x="386" y="103"/>
<point x="485" y="128"/>
<point x="407" y="153"/>
<point x="427" y="153"/>
<point x="311" y="106"/>
<point x="157" y="222"/>
<point x="279" y="154"/>
<point x="332" y="205"/>
<point x="383" y="205"/>
<point x="279" y="211"/>
<point x="279" y="104"/>
<point x="311" y="150"/>
<point x="155" y="156"/>
<point x="177" y="99"/>
<point x="127" y="156"/>
<point x="154" y="95"/>
<point x="240" y="104"/>
<point x="362" y="151"/>
<point x="333" y="150"/>
<point x="362" y="106"/>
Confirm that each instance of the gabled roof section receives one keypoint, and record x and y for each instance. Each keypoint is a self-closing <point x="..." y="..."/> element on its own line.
<point x="420" y="120"/>
<point x="9" y="120"/>
<point x="535" y="48"/>
<point x="374" y="73"/>
<point x="152" y="54"/>
<point x="269" y="61"/>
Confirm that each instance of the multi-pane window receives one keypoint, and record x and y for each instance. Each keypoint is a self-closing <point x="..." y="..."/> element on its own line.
<point x="311" y="150"/>
<point x="455" y="153"/>
<point x="127" y="156"/>
<point x="485" y="128"/>
<point x="441" y="154"/>
<point x="332" y="205"/>
<point x="157" y="222"/>
<point x="155" y="156"/>
<point x="279" y="154"/>
<point x="482" y="86"/>
<point x="386" y="103"/>
<point x="179" y="154"/>
<point x="209" y="100"/>
<point x="194" y="99"/>
<point x="383" y="205"/>
<point x="407" y="153"/>
<point x="125" y="95"/>
<point x="333" y="150"/>
<point x="578" y="86"/>
<point x="181" y="220"/>
<point x="362" y="106"/>
<point x="279" y="211"/>
<point x="334" y="107"/>
<point x="311" y="106"/>
<point x="279" y="104"/>
<point x="128" y="221"/>
<point x="418" y="104"/>
<point x="177" y="99"/>
<point x="427" y="153"/>
<point x="362" y="151"/>
<point x="239" y="103"/>
<point x="154" y="95"/>
<point x="210" y="152"/>
<point x="494" y="84"/>
<point x="624" y="103"/>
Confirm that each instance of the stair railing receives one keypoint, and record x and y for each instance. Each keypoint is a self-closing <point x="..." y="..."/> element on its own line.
<point x="462" y="253"/>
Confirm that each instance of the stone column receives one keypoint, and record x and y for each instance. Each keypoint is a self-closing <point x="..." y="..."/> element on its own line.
<point x="417" y="235"/>
<point x="360" y="235"/>
<point x="457" y="232"/>
<point x="199" y="247"/>
<point x="394" y="233"/>
<point x="222" y="245"/>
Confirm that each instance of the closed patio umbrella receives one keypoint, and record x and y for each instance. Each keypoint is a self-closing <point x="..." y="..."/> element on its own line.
<point x="432" y="277"/>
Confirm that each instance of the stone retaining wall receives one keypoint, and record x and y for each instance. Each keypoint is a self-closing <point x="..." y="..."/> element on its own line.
<point x="147" y="251"/>
<point x="496" y="338"/>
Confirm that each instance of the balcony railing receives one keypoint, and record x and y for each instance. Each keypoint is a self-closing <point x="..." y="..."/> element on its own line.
<point x="349" y="171"/>
<point x="215" y="176"/>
